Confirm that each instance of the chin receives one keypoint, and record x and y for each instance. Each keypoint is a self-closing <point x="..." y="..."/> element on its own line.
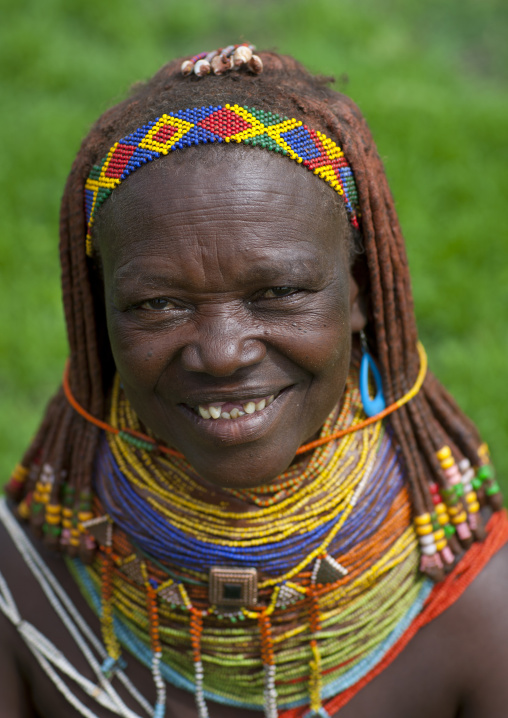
<point x="245" y="468"/>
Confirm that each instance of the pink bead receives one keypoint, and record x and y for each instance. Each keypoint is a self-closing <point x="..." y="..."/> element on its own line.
<point x="90" y="543"/>
<point x="453" y="474"/>
<point x="463" y="531"/>
<point x="473" y="521"/>
<point x="433" y="561"/>
<point x="447" y="555"/>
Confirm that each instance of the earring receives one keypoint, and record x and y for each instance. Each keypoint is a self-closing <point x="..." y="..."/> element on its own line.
<point x="371" y="405"/>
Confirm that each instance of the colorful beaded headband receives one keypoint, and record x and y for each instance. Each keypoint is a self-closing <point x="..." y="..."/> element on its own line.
<point x="228" y="123"/>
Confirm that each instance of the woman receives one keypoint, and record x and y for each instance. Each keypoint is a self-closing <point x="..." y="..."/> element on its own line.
<point x="238" y="521"/>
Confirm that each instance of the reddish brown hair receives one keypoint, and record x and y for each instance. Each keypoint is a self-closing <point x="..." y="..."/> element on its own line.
<point x="432" y="419"/>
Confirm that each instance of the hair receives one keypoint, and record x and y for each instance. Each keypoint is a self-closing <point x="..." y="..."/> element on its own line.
<point x="68" y="444"/>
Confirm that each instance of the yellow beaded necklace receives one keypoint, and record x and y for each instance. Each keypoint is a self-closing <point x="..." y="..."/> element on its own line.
<point x="321" y="562"/>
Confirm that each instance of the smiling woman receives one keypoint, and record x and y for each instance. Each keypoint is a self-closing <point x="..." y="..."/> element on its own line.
<point x="240" y="519"/>
<point x="221" y="296"/>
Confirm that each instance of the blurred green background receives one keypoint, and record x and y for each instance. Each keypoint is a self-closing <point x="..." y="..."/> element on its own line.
<point x="431" y="77"/>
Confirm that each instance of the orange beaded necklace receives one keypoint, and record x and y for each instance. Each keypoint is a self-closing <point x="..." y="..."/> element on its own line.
<point x="146" y="442"/>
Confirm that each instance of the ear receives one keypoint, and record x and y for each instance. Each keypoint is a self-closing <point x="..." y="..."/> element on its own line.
<point x="357" y="306"/>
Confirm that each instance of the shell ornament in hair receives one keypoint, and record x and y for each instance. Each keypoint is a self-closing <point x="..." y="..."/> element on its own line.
<point x="217" y="62"/>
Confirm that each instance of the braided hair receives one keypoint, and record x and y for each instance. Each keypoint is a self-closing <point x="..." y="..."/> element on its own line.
<point x="65" y="444"/>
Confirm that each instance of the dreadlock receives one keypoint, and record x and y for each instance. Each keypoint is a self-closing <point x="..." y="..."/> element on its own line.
<point x="66" y="444"/>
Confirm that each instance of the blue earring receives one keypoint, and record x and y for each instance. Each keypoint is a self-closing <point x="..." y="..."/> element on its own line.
<point x="371" y="405"/>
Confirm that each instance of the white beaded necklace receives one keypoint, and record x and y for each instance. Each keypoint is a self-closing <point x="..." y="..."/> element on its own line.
<point x="51" y="658"/>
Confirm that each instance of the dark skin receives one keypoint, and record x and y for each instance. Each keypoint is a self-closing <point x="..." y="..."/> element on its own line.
<point x="229" y="291"/>
<point x="232" y="290"/>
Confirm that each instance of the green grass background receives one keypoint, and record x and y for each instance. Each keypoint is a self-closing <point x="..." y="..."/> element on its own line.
<point x="431" y="78"/>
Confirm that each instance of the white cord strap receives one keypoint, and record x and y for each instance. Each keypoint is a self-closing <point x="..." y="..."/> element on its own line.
<point x="48" y="656"/>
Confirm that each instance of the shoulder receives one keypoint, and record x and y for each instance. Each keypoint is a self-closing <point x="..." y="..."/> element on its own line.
<point x="475" y="630"/>
<point x="456" y="664"/>
<point x="483" y="606"/>
<point x="485" y="601"/>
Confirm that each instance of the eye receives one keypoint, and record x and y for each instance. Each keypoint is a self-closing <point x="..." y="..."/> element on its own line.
<point x="158" y="304"/>
<point x="278" y="292"/>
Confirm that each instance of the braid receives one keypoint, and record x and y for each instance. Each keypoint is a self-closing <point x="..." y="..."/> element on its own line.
<point x="67" y="444"/>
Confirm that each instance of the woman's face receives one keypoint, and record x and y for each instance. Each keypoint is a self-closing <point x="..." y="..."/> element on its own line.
<point x="228" y="292"/>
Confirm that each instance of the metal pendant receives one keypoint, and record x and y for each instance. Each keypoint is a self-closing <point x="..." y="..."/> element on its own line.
<point x="233" y="587"/>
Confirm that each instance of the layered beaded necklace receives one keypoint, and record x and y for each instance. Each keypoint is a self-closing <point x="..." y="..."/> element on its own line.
<point x="265" y="599"/>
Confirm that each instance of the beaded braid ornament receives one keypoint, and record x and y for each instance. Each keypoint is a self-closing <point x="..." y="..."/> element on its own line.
<point x="216" y="124"/>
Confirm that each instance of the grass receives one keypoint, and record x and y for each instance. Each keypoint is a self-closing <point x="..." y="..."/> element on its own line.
<point x="429" y="76"/>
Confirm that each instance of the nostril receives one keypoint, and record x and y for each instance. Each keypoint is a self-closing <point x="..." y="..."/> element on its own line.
<point x="222" y="356"/>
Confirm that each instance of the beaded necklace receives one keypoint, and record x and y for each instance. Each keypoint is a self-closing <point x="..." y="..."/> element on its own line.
<point x="264" y="599"/>
<point x="58" y="668"/>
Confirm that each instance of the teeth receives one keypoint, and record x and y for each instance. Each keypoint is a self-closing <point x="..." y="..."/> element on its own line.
<point x="209" y="411"/>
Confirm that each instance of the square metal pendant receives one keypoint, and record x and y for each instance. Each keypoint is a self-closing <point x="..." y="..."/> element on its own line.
<point x="234" y="587"/>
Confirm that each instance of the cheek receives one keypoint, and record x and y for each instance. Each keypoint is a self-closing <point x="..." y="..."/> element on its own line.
<point x="325" y="355"/>
<point x="321" y="354"/>
<point x="139" y="356"/>
<point x="321" y="342"/>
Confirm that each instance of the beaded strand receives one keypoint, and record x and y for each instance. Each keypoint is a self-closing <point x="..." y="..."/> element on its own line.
<point x="153" y="616"/>
<point x="268" y="660"/>
<point x="142" y="441"/>
<point x="108" y="632"/>
<point x="196" y="629"/>
<point x="315" y="681"/>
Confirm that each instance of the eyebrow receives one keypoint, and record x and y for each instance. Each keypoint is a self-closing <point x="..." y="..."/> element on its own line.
<point x="296" y="271"/>
<point x="148" y="279"/>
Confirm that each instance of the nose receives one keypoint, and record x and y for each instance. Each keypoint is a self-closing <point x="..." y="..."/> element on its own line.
<point x="221" y="345"/>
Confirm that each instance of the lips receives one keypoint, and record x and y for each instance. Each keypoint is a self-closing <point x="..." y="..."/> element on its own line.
<point x="234" y="420"/>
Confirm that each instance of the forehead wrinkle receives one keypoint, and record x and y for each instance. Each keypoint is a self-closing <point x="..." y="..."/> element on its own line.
<point x="194" y="189"/>
<point x="204" y="267"/>
<point x="197" y="210"/>
<point x="249" y="223"/>
<point x="262" y="209"/>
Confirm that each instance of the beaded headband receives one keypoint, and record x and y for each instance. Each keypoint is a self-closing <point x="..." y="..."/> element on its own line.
<point x="228" y="123"/>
